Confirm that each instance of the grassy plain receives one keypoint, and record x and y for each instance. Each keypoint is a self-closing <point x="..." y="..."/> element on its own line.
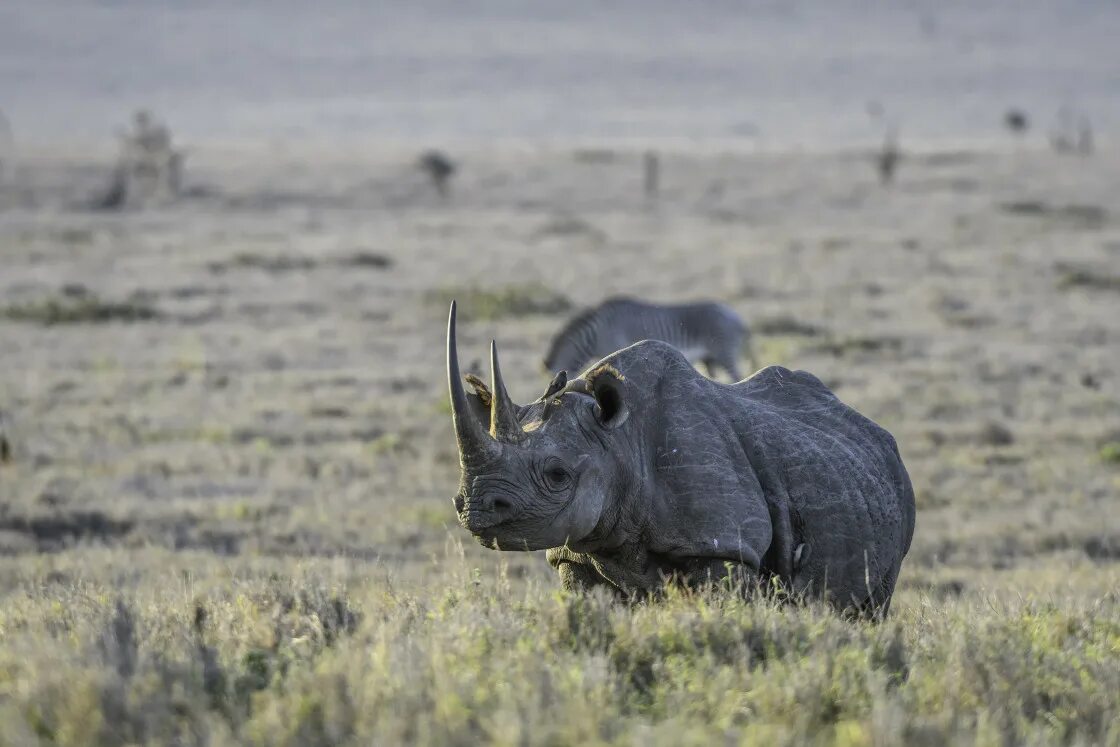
<point x="225" y="515"/>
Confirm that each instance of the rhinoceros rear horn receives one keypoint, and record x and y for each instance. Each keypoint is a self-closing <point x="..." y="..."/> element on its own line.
<point x="475" y="444"/>
<point x="608" y="388"/>
<point x="504" y="425"/>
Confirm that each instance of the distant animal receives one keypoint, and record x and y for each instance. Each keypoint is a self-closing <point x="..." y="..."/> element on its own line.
<point x="1084" y="137"/>
<point x="175" y="172"/>
<point x="1073" y="133"/>
<point x="439" y="169"/>
<point x="888" y="158"/>
<point x="148" y="168"/>
<point x="643" y="472"/>
<point x="5" y="445"/>
<point x="1016" y="121"/>
<point x="116" y="194"/>
<point x="708" y="332"/>
<point x="651" y="173"/>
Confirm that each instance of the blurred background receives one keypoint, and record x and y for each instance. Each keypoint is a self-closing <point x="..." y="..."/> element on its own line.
<point x="807" y="74"/>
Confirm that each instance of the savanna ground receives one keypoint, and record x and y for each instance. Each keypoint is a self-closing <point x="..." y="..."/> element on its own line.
<point x="225" y="514"/>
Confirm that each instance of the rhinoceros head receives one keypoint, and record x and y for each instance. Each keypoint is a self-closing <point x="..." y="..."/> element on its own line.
<point x="538" y="476"/>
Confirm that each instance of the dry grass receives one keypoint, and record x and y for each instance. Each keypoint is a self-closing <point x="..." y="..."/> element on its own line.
<point x="325" y="655"/>
<point x="230" y="524"/>
<point x="498" y="303"/>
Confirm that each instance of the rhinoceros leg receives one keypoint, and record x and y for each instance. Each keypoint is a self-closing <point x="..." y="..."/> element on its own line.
<point x="878" y="603"/>
<point x="578" y="577"/>
<point x="576" y="573"/>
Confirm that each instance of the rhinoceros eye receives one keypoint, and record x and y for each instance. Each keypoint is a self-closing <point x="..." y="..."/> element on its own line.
<point x="556" y="475"/>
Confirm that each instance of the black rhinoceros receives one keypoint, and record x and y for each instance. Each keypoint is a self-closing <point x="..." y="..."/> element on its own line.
<point x="643" y="470"/>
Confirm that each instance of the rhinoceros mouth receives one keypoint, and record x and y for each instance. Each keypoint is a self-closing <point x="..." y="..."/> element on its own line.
<point x="473" y="517"/>
<point x="492" y="538"/>
<point x="479" y="522"/>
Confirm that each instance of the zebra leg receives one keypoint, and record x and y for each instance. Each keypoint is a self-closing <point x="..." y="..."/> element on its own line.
<point x="748" y="348"/>
<point x="723" y="360"/>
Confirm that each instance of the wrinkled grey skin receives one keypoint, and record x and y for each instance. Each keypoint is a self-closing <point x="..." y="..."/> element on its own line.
<point x="643" y="470"/>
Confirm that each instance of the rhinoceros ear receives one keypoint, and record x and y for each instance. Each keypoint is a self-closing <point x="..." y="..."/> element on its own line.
<point x="478" y="401"/>
<point x="608" y="387"/>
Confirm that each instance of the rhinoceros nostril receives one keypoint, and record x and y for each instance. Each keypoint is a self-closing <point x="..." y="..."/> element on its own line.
<point x="502" y="504"/>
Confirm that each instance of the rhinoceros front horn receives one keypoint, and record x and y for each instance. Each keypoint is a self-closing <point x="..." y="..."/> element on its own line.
<point x="504" y="425"/>
<point x="475" y="444"/>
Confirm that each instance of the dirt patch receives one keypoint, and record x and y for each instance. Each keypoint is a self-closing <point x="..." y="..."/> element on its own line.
<point x="847" y="346"/>
<point x="190" y="292"/>
<point x="276" y="263"/>
<point x="328" y="411"/>
<point x="1086" y="276"/>
<point x="948" y="158"/>
<point x="569" y="226"/>
<point x="995" y="434"/>
<point x="595" y="155"/>
<point x="57" y="531"/>
<point x="786" y="325"/>
<point x="1086" y="216"/>
<point x="305" y="437"/>
<point x="365" y="259"/>
<point x="1104" y="548"/>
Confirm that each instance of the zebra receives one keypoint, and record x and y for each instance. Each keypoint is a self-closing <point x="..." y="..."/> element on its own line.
<point x="711" y="333"/>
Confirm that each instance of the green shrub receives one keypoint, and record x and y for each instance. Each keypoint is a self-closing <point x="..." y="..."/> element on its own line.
<point x="83" y="309"/>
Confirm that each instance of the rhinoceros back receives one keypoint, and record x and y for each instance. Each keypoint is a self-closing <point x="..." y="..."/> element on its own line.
<point x="850" y="498"/>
